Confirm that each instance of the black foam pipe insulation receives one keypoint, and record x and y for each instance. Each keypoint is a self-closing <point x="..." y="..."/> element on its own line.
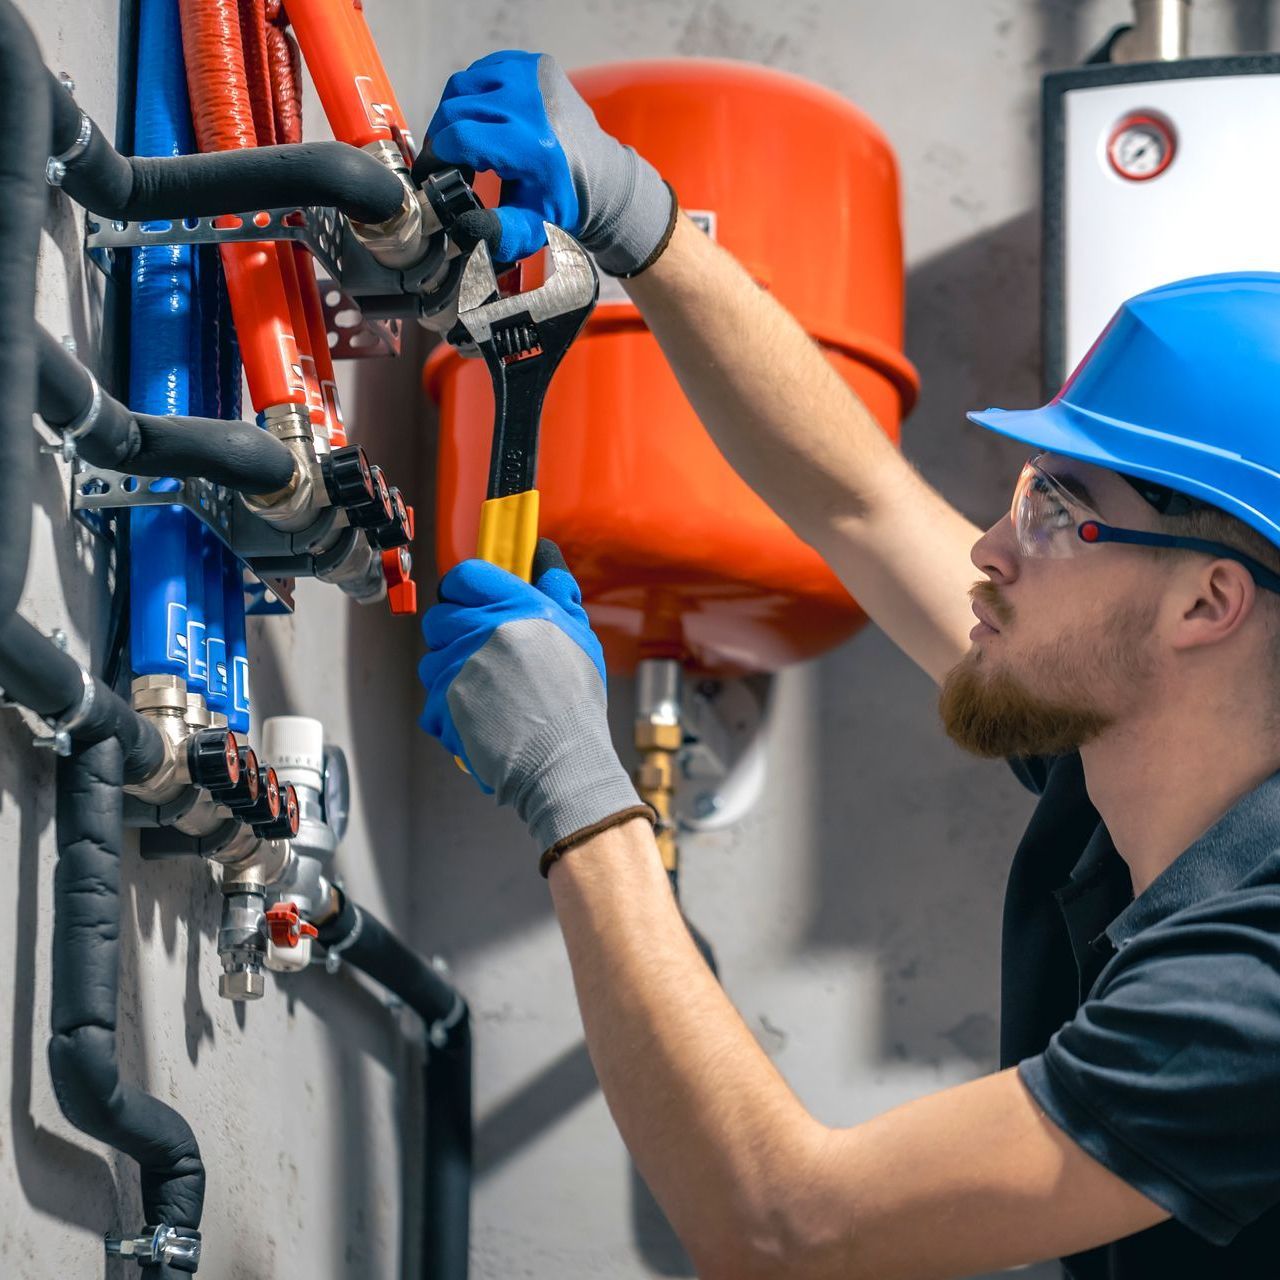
<point x="366" y="943"/>
<point x="142" y="188"/>
<point x="24" y="147"/>
<point x="39" y="675"/>
<point x="239" y="455"/>
<point x="82" y="1048"/>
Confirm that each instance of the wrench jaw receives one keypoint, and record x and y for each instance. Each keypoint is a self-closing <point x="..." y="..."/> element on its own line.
<point x="479" y="285"/>
<point x="522" y="339"/>
<point x="570" y="289"/>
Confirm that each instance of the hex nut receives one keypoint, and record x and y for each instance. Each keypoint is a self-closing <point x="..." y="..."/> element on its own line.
<point x="242" y="984"/>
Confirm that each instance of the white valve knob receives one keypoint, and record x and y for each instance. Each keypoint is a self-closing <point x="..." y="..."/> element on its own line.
<point x="295" y="746"/>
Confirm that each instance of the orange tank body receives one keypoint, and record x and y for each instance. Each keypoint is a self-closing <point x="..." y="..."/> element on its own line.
<point x="677" y="557"/>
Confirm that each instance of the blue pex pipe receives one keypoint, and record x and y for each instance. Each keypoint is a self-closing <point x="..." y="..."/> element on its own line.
<point x="237" y="645"/>
<point x="217" y="677"/>
<point x="186" y="588"/>
<point x="160" y="364"/>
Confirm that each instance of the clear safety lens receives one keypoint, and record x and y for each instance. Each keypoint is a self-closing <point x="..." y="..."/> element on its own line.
<point x="1045" y="516"/>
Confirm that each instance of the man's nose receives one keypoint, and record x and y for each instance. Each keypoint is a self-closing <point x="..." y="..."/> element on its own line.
<point x="996" y="552"/>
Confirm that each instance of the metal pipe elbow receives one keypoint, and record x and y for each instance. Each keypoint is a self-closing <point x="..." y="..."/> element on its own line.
<point x="295" y="506"/>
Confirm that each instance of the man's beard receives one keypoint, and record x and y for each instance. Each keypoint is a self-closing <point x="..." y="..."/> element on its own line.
<point x="994" y="713"/>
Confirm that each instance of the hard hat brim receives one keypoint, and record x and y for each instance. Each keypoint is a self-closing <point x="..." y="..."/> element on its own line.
<point x="1228" y="481"/>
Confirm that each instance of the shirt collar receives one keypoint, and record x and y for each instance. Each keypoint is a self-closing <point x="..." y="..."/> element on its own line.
<point x="1217" y="861"/>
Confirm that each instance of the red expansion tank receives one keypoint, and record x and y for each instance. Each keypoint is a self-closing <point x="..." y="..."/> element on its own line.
<point x="676" y="556"/>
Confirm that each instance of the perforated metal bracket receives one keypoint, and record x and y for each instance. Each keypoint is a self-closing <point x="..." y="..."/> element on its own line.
<point x="96" y="490"/>
<point x="365" y="303"/>
<point x="320" y="229"/>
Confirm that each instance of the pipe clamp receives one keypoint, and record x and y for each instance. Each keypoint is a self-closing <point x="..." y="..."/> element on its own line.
<point x="55" y="169"/>
<point x="87" y="419"/>
<point x="333" y="954"/>
<point x="59" y="740"/>
<point x="177" y="1247"/>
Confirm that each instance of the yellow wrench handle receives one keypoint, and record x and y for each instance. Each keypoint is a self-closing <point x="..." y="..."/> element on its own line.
<point x="509" y="532"/>
<point x="508" y="538"/>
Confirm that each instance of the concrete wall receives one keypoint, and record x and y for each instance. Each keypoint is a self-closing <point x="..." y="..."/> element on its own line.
<point x="855" y="913"/>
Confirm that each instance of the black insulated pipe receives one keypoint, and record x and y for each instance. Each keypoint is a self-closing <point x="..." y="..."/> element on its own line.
<point x="82" y="1048"/>
<point x="24" y="147"/>
<point x="138" y="188"/>
<point x="39" y="675"/>
<point x="236" y="454"/>
<point x="365" y="942"/>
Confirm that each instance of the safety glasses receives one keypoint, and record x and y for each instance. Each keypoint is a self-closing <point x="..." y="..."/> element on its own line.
<point x="1050" y="521"/>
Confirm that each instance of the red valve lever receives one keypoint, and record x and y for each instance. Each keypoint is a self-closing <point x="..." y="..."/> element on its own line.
<point x="286" y="927"/>
<point x="402" y="591"/>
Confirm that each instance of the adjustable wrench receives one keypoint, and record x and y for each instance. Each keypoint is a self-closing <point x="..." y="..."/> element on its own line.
<point x="522" y="337"/>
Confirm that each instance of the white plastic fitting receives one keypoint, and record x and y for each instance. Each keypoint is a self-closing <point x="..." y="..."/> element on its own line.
<point x="295" y="746"/>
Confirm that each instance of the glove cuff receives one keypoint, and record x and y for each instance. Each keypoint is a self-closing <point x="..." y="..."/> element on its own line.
<point x="561" y="847"/>
<point x="576" y="780"/>
<point x="631" y="240"/>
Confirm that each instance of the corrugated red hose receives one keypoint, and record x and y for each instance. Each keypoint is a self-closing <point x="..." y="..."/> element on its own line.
<point x="222" y="113"/>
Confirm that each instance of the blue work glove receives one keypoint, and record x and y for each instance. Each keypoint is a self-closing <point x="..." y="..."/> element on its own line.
<point x="517" y="114"/>
<point x="515" y="687"/>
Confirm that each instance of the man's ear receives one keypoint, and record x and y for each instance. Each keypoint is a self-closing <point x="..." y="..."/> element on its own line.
<point x="1225" y="597"/>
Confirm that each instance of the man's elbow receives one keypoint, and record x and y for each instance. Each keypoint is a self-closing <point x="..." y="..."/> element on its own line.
<point x="800" y="1233"/>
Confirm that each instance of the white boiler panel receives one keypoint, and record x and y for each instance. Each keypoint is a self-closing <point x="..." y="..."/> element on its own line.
<point x="1153" y="172"/>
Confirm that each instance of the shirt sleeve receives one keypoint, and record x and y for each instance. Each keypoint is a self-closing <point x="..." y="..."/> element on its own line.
<point x="1169" y="1074"/>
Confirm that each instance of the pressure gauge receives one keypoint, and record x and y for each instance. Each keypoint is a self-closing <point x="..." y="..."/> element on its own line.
<point x="337" y="790"/>
<point x="1141" y="146"/>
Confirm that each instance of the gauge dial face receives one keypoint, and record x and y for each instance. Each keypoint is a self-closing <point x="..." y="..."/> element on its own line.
<point x="337" y="790"/>
<point x="1141" y="146"/>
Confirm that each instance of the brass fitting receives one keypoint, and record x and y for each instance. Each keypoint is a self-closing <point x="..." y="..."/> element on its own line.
<point x="163" y="700"/>
<point x="401" y="241"/>
<point x="296" y="506"/>
<point x="658" y="736"/>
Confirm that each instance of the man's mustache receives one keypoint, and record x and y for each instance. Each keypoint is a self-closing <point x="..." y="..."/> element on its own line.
<point x="987" y="593"/>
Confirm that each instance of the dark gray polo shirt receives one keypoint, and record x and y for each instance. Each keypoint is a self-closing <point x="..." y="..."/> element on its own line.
<point x="1149" y="1029"/>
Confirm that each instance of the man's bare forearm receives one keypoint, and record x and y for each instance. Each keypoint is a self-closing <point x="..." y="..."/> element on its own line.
<point x="714" y="1129"/>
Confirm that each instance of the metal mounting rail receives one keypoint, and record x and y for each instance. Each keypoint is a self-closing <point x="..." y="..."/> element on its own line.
<point x="363" y="300"/>
<point x="96" y="489"/>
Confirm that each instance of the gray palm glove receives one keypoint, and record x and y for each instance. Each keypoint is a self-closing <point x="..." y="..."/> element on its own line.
<point x="515" y="688"/>
<point x="517" y="114"/>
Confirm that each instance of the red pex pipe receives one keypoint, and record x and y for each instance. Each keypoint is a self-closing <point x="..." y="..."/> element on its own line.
<point x="223" y="115"/>
<point x="262" y="95"/>
<point x="309" y="291"/>
<point x="348" y="73"/>
<point x="284" y="73"/>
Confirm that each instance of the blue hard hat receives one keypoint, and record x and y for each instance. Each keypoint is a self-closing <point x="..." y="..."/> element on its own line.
<point x="1182" y="389"/>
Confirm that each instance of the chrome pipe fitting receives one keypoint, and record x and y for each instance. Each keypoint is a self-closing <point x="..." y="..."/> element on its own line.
<point x="296" y="506"/>
<point x="163" y="700"/>
<point x="352" y="564"/>
<point x="1161" y="32"/>
<point x="402" y="240"/>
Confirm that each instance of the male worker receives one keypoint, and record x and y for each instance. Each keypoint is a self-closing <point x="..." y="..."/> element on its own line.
<point x="1126" y="654"/>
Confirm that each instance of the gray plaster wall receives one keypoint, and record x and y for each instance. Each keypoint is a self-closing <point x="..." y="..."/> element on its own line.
<point x="855" y="912"/>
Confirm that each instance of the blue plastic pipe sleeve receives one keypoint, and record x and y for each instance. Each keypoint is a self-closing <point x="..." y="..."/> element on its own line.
<point x="160" y="363"/>
<point x="213" y="567"/>
<point x="237" y="645"/>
